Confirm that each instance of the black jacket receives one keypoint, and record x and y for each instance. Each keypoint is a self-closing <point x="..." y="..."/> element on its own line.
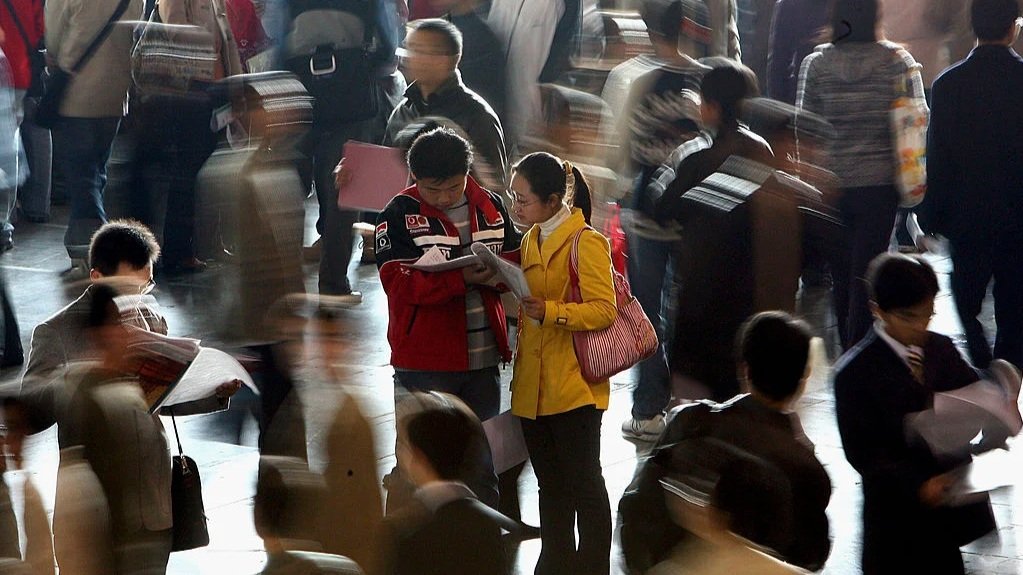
<point x="974" y="172"/>
<point x="744" y="423"/>
<point x="455" y="104"/>
<point x="874" y="392"/>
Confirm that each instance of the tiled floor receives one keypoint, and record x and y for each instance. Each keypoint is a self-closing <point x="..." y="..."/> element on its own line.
<point x="191" y="304"/>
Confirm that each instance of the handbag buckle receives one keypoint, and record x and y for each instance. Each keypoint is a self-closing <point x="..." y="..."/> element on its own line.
<point x="316" y="71"/>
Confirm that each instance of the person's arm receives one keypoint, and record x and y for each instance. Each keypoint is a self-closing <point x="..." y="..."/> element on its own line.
<point x="807" y="99"/>
<point x="734" y="52"/>
<point x="47" y="361"/>
<point x="487" y="138"/>
<point x="395" y="250"/>
<point x="942" y="160"/>
<point x="872" y="431"/>
<point x="668" y="203"/>
<point x="596" y="287"/>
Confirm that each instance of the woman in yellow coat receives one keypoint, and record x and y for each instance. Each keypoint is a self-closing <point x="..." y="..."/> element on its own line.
<point x="560" y="411"/>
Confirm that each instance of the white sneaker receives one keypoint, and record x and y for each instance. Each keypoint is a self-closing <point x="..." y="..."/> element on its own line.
<point x="643" y="429"/>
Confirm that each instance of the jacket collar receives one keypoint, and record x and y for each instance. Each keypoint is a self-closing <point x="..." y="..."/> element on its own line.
<point x="444" y="92"/>
<point x="561" y="237"/>
<point x="478" y="198"/>
<point x="993" y="51"/>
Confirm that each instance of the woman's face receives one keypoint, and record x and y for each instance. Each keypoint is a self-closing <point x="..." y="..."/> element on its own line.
<point x="527" y="207"/>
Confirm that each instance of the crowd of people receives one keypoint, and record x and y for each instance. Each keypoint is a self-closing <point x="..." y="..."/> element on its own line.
<point x="743" y="156"/>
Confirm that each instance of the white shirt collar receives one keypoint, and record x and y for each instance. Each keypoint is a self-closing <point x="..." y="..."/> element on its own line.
<point x="900" y="350"/>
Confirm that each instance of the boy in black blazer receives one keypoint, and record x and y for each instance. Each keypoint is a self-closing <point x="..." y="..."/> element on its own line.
<point x="893" y="372"/>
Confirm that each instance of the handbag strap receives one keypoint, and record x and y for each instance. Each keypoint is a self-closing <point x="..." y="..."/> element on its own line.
<point x="573" y="267"/>
<point x="107" y="29"/>
<point x="177" y="437"/>
<point x="21" y="28"/>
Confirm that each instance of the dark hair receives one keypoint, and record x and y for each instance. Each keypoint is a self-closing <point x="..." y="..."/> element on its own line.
<point x="993" y="19"/>
<point x="775" y="347"/>
<point x="728" y="84"/>
<point x="547" y="175"/>
<point x="451" y="34"/>
<point x="103" y="308"/>
<point x="854" y="21"/>
<point x="439" y="154"/>
<point x="757" y="499"/>
<point x="899" y="281"/>
<point x="126" y="241"/>
<point x="445" y="435"/>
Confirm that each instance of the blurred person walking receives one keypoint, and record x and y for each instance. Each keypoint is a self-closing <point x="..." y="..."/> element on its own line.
<point x="92" y="106"/>
<point x="174" y="136"/>
<point x="974" y="177"/>
<point x="661" y="113"/>
<point x="560" y="411"/>
<point x="852" y="83"/>
<point x="796" y="29"/>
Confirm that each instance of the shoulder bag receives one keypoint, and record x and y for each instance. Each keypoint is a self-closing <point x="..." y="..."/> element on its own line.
<point x="173" y="60"/>
<point x="187" y="510"/>
<point x="909" y="116"/>
<point x="627" y="341"/>
<point x="57" y="79"/>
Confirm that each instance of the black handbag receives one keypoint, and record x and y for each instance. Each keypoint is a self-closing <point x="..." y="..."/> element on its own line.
<point x="36" y="55"/>
<point x="189" y="530"/>
<point x="57" y="79"/>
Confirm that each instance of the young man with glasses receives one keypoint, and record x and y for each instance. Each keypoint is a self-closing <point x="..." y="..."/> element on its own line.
<point x="121" y="254"/>
<point x="909" y="523"/>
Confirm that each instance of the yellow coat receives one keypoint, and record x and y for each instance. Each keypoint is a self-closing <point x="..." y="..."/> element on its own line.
<point x="546" y="380"/>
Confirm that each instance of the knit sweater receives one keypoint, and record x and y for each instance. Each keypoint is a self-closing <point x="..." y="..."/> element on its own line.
<point x="852" y="85"/>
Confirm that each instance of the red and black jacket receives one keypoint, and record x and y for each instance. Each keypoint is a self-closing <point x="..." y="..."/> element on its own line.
<point x="427" y="324"/>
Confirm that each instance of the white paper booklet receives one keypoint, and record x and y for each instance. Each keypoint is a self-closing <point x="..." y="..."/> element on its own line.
<point x="507" y="273"/>
<point x="434" y="260"/>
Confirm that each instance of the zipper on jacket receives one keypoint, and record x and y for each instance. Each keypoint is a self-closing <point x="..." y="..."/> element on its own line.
<point x="412" y="320"/>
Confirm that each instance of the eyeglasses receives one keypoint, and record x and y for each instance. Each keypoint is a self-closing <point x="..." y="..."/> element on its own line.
<point x="911" y="317"/>
<point x="148" y="287"/>
<point x="517" y="200"/>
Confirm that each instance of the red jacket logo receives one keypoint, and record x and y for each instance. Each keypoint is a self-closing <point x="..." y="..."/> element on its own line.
<point x="417" y="222"/>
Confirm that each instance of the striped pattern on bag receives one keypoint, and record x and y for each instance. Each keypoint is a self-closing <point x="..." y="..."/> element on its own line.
<point x="627" y="341"/>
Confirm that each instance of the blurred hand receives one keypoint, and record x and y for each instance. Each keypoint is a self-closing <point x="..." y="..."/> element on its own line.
<point x="228" y="389"/>
<point x="534" y="307"/>
<point x="3" y="36"/>
<point x="342" y="175"/>
<point x="477" y="275"/>
<point x="934" y="491"/>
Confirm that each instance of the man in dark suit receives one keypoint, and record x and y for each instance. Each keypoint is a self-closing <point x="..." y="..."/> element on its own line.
<point x="908" y="525"/>
<point x="447" y="531"/>
<point x="702" y="438"/>
<point x="975" y="179"/>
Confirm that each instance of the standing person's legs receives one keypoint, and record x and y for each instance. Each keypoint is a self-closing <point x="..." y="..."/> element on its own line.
<point x="578" y="434"/>
<point x="875" y="208"/>
<point x="83" y="146"/>
<point x="194" y="142"/>
<point x="651" y="280"/>
<point x="557" y="513"/>
<point x="35" y="192"/>
<point x="143" y="553"/>
<point x="1008" y="294"/>
<point x="336" y="229"/>
<point x="971" y="273"/>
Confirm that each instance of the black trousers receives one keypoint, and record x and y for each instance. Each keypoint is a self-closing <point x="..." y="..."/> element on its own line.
<point x="565" y="451"/>
<point x="974" y="265"/>
<point x="869" y="215"/>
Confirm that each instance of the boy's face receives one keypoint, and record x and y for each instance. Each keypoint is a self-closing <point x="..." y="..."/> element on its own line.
<point x="442" y="193"/>
<point x="908" y="326"/>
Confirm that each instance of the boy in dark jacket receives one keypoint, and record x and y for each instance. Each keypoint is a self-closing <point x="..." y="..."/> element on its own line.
<point x="908" y="525"/>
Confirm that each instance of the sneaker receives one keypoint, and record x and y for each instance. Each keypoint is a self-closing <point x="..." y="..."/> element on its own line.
<point x="643" y="429"/>
<point x="331" y="305"/>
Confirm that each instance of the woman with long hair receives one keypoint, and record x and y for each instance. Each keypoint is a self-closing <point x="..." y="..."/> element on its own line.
<point x="560" y="411"/>
<point x="852" y="82"/>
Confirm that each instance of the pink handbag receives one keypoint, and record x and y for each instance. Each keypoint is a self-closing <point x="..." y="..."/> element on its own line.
<point x="627" y="341"/>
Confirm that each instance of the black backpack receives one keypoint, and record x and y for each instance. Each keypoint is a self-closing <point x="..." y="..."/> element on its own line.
<point x="331" y="46"/>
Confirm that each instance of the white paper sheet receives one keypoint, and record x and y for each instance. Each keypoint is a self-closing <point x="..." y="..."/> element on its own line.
<point x="508" y="273"/>
<point x="434" y="260"/>
<point x="211" y="369"/>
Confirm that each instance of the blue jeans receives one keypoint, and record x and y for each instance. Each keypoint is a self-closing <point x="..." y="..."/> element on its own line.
<point x="652" y="265"/>
<point x="82" y="147"/>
